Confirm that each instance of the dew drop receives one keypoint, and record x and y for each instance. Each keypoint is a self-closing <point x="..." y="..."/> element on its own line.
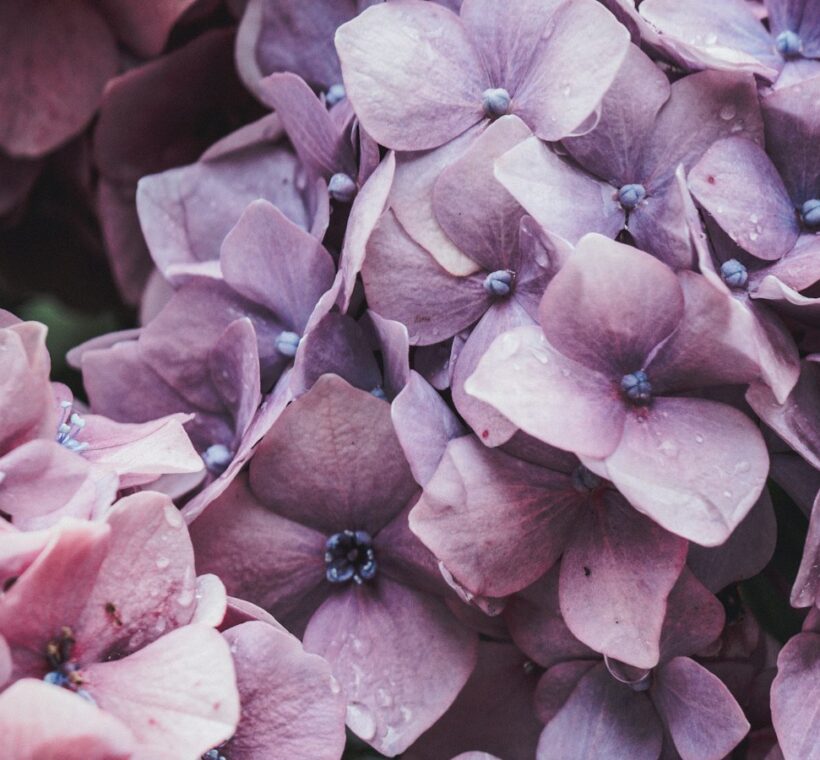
<point x="361" y="721"/>
<point x="727" y="494"/>
<point x="406" y="714"/>
<point x="699" y="438"/>
<point x="727" y="113"/>
<point x="742" y="466"/>
<point x="361" y="647"/>
<point x="162" y="563"/>
<point x="668" y="449"/>
<point x="335" y="686"/>
<point x="384" y="698"/>
<point x="172" y="516"/>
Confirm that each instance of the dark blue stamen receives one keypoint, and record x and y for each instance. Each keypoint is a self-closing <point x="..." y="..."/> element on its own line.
<point x="734" y="274"/>
<point x="584" y="480"/>
<point x="495" y="102"/>
<point x="499" y="283"/>
<point x="636" y="387"/>
<point x="349" y="556"/>
<point x="789" y="44"/>
<point x="342" y="188"/>
<point x="810" y="213"/>
<point x="630" y="196"/>
<point x="214" y="754"/>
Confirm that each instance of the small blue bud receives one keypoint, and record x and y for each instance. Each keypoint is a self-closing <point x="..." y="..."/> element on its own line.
<point x="217" y="457"/>
<point x="378" y="392"/>
<point x="789" y="44"/>
<point x="810" y="212"/>
<point x="335" y="93"/>
<point x="287" y="343"/>
<point x="499" y="283"/>
<point x="495" y="102"/>
<point x="349" y="556"/>
<point x="584" y="480"/>
<point x="637" y="387"/>
<point x="734" y="274"/>
<point x="56" y="678"/>
<point x="630" y="196"/>
<point x="342" y="188"/>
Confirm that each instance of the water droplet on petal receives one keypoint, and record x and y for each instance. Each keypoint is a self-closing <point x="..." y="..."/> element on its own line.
<point x="361" y="721"/>
<point x="668" y="449"/>
<point x="162" y="563"/>
<point x="727" y="113"/>
<point x="743" y="466"/>
<point x="699" y="439"/>
<point x="727" y="494"/>
<point x="172" y="516"/>
<point x="361" y="646"/>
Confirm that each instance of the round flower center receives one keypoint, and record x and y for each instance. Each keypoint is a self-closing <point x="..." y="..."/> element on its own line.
<point x="349" y="556"/>
<point x="636" y="387"/>
<point x="217" y="458"/>
<point x="64" y="671"/>
<point x="499" y="283"/>
<point x="789" y="44"/>
<point x="71" y="424"/>
<point x="342" y="188"/>
<point x="495" y="102"/>
<point x="630" y="196"/>
<point x="584" y="480"/>
<point x="810" y="213"/>
<point x="734" y="274"/>
<point x="287" y="343"/>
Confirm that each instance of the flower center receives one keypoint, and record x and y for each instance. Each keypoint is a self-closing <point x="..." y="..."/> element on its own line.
<point x="335" y="93"/>
<point x="630" y="196"/>
<point x="64" y="670"/>
<point x="789" y="44"/>
<point x="499" y="283"/>
<point x="71" y="424"/>
<point x="810" y="213"/>
<point x="734" y="274"/>
<point x="217" y="458"/>
<point x="287" y="343"/>
<point x="342" y="188"/>
<point x="349" y="556"/>
<point x="584" y="480"/>
<point x="636" y="387"/>
<point x="215" y="754"/>
<point x="495" y="102"/>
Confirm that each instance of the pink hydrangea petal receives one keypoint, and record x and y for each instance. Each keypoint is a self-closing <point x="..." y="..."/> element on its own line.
<point x="694" y="618"/>
<point x="400" y="656"/>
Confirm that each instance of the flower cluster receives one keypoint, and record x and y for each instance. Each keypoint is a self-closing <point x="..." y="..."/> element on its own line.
<point x="473" y="408"/>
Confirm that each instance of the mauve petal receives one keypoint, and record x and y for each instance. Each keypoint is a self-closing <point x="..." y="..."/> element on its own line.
<point x="602" y="719"/>
<point x="413" y="76"/>
<point x="494" y="711"/>
<point x="697" y="710"/>
<point x="701" y="35"/>
<point x="144" y="30"/>
<point x="291" y="704"/>
<point x="557" y="684"/>
<point x="411" y="199"/>
<point x="493" y="428"/>
<point x="275" y="263"/>
<point x="332" y="461"/>
<point x="806" y="589"/>
<point x="727" y="181"/>
<point x="696" y="467"/>
<point x="612" y="150"/>
<point x="548" y="395"/>
<point x="694" y="618"/>
<point x="798" y="269"/>
<point x="19" y="176"/>
<point x="701" y="109"/>
<point x="795" y="706"/>
<point x="146" y="584"/>
<point x="579" y="36"/>
<point x="743" y="555"/>
<point x="497" y="523"/>
<point x="393" y="342"/>
<point x="424" y="424"/>
<point x="261" y="557"/>
<point x="797" y="419"/>
<point x="606" y="599"/>
<point x="40" y="722"/>
<point x="609" y="306"/>
<point x="400" y="656"/>
<point x="473" y="209"/>
<point x="364" y="214"/>
<point x="322" y="148"/>
<point x="403" y="282"/>
<point x="177" y="695"/>
<point x="56" y="57"/>
<point x="562" y="199"/>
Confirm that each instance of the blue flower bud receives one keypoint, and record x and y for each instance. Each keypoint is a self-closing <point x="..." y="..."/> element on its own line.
<point x="287" y="343"/>
<point x="349" y="556"/>
<point x="217" y="458"/>
<point x="810" y="212"/>
<point x="499" y="283"/>
<point x="342" y="188"/>
<point x="495" y="102"/>
<point x="636" y="387"/>
<point x="734" y="274"/>
<point x="335" y="94"/>
<point x="630" y="196"/>
<point x="789" y="44"/>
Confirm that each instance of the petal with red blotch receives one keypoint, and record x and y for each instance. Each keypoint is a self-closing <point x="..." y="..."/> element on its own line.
<point x="332" y="461"/>
<point x="496" y="522"/>
<point x="56" y="57"/>
<point x="400" y="656"/>
<point x="178" y="692"/>
<point x="602" y="719"/>
<point x="290" y="701"/>
<point x="41" y="722"/>
<point x="551" y="397"/>
<point x="616" y="575"/>
<point x="696" y="467"/>
<point x="412" y="74"/>
<point x="795" y="706"/>
<point x="698" y="711"/>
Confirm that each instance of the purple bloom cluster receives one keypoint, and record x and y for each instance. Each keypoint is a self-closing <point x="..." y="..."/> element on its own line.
<point x="478" y="354"/>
